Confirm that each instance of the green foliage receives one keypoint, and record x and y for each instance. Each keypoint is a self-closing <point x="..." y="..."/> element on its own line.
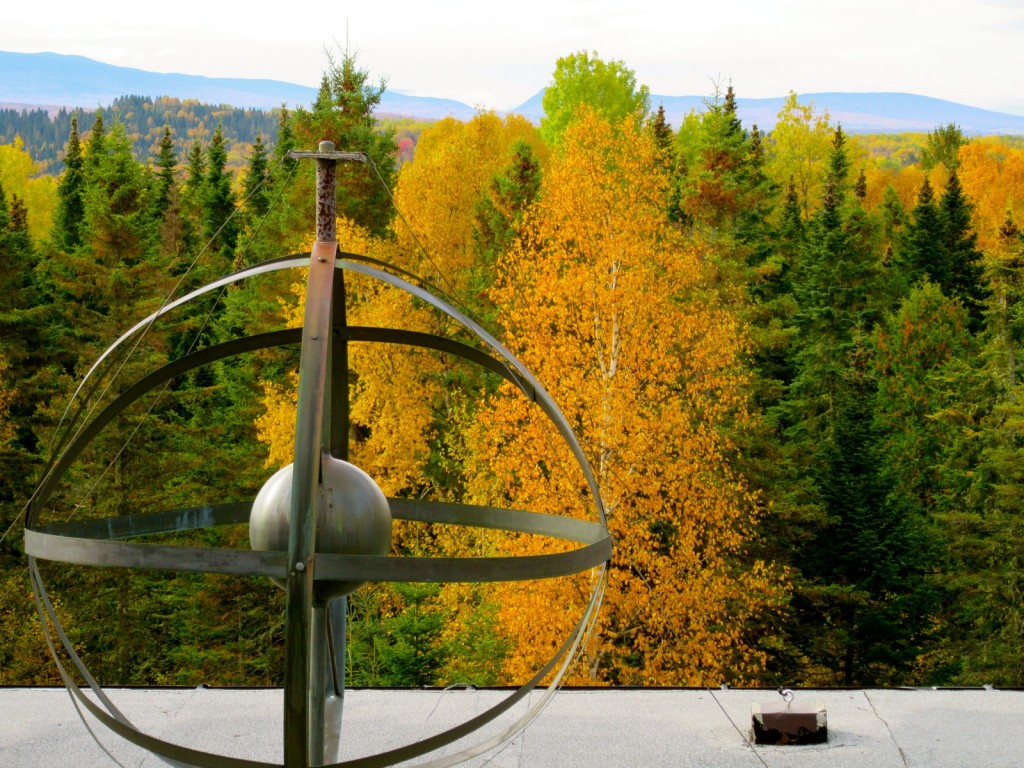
<point x="394" y="637"/>
<point x="943" y="146"/>
<point x="584" y="78"/>
<point x="217" y="200"/>
<point x="70" y="212"/>
<point x="867" y="568"/>
<point x="939" y="244"/>
<point x="343" y="113"/>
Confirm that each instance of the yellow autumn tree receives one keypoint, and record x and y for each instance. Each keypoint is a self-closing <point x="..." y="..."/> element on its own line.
<point x="440" y="192"/>
<point x="992" y="175"/>
<point x="400" y="405"/>
<point x="392" y="389"/>
<point x="19" y="175"/>
<point x="799" y="147"/>
<point x="410" y="407"/>
<point x="604" y="301"/>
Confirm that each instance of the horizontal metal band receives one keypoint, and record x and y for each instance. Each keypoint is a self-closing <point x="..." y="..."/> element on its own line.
<point x="327" y="567"/>
<point x="441" y="570"/>
<point x="157" y="557"/>
<point x="417" y="510"/>
<point x="92" y="542"/>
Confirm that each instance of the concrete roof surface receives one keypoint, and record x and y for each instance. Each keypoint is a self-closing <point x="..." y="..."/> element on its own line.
<point x="39" y="727"/>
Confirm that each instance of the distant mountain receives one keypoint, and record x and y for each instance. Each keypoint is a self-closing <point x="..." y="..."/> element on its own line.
<point x="53" y="80"/>
<point x="857" y="112"/>
<point x="871" y="112"/>
<point x="75" y="81"/>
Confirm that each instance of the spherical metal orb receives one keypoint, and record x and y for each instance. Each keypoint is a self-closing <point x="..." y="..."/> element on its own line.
<point x="353" y="518"/>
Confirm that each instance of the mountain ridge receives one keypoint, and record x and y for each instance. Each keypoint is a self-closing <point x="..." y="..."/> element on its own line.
<point x="52" y="80"/>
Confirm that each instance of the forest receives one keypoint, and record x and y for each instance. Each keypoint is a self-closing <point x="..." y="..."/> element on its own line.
<point x="790" y="358"/>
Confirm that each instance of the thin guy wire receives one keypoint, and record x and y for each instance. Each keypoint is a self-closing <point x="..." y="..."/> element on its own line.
<point x="167" y="299"/>
<point x="195" y="341"/>
<point x="733" y="723"/>
<point x="79" y="505"/>
<point x="450" y="291"/>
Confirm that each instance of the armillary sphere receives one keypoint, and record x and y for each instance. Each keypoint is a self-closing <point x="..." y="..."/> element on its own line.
<point x="321" y="526"/>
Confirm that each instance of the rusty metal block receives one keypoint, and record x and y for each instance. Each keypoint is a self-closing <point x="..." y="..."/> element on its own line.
<point x="790" y="722"/>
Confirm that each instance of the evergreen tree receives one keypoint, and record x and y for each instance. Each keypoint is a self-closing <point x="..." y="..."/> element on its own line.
<point x="963" y="273"/>
<point x="218" y="200"/>
<point x="673" y="164"/>
<point x="166" y="175"/>
<point x="835" y="280"/>
<point x="859" y="562"/>
<point x="867" y="567"/>
<point x="498" y="216"/>
<point x="255" y="185"/>
<point x="67" y="220"/>
<point x="661" y="130"/>
<point x="343" y="113"/>
<point x="921" y="253"/>
<point x="860" y="187"/>
<point x="195" y="177"/>
<point x="716" y="189"/>
<point x="95" y="148"/>
<point x="285" y="141"/>
<point x="23" y="318"/>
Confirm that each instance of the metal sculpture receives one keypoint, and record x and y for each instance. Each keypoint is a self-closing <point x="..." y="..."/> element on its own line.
<point x="319" y="527"/>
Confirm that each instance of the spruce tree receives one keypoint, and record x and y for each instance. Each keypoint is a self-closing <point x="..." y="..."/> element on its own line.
<point x="868" y="566"/>
<point x="857" y="559"/>
<point x="218" y="200"/>
<point x="255" y="187"/>
<point x="95" y="148"/>
<point x="860" y="187"/>
<point x="963" y="273"/>
<point x="343" y="113"/>
<point x="920" y="252"/>
<point x="67" y="219"/>
<point x="195" y="176"/>
<point x="166" y="174"/>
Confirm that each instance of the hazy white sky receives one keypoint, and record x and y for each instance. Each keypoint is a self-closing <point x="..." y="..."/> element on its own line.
<point x="497" y="55"/>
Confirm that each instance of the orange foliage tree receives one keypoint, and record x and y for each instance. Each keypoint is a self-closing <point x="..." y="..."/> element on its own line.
<point x="602" y="298"/>
<point x="992" y="175"/>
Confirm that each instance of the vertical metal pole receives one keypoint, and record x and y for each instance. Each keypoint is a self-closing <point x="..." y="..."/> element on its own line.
<point x="336" y="427"/>
<point x="319" y="665"/>
<point x="299" y="725"/>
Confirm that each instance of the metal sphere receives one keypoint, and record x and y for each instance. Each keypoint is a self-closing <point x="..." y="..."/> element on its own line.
<point x="353" y="518"/>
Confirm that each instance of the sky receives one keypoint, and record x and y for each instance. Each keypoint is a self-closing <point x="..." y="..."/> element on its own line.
<point x="497" y="55"/>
